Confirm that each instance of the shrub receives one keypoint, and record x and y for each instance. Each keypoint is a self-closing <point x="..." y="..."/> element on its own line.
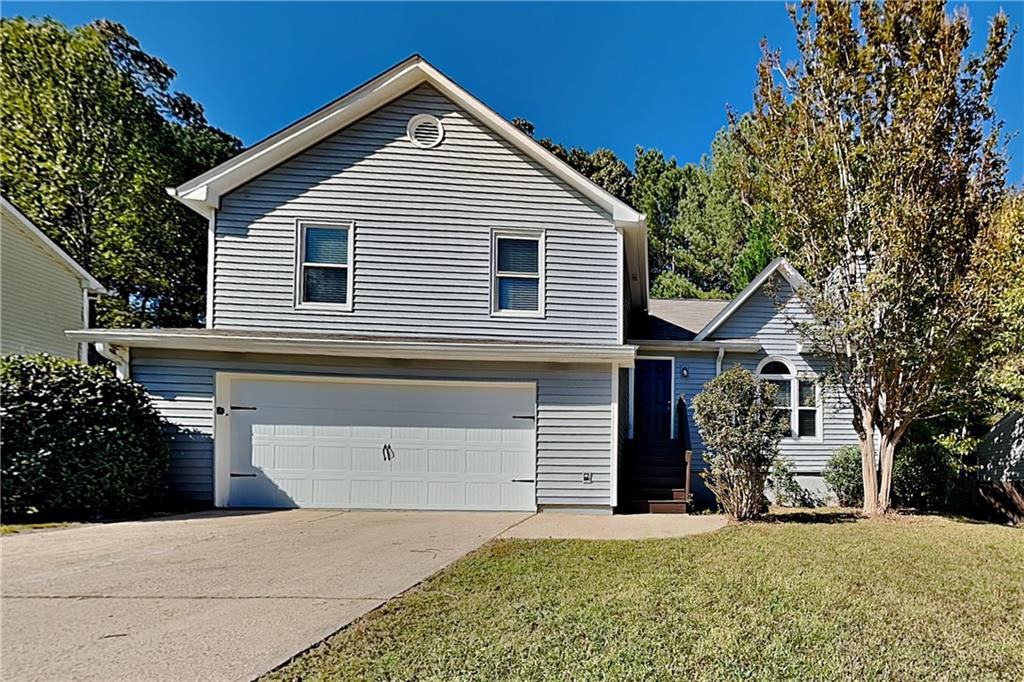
<point x="786" y="490"/>
<point x="845" y="477"/>
<point x="77" y="441"/>
<point x="741" y="430"/>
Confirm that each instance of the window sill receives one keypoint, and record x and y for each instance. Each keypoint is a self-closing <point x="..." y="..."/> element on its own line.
<point x="806" y="440"/>
<point x="325" y="307"/>
<point x="534" y="314"/>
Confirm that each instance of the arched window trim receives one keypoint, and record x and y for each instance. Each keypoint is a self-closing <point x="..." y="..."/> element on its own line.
<point x="795" y="408"/>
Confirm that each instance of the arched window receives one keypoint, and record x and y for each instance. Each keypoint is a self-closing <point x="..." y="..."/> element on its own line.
<point x="797" y="396"/>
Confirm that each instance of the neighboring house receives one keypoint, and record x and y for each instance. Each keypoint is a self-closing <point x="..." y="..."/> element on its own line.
<point x="414" y="305"/>
<point x="43" y="292"/>
<point x="1000" y="469"/>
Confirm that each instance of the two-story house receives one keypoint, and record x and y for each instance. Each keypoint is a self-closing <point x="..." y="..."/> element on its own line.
<point x="414" y="305"/>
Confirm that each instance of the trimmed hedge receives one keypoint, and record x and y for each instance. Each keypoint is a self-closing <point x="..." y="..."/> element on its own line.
<point x="78" y="442"/>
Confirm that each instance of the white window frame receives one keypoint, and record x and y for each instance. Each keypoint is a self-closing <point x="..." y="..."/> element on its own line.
<point x="301" y="225"/>
<point x="794" y="400"/>
<point x="539" y="237"/>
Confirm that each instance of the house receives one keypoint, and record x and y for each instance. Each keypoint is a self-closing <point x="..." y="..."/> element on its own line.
<point x="43" y="291"/>
<point x="997" y="488"/>
<point x="414" y="305"/>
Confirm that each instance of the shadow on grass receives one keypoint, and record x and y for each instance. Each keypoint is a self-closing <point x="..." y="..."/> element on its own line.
<point x="826" y="515"/>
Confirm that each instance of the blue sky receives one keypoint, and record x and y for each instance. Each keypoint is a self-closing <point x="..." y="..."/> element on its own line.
<point x="595" y="75"/>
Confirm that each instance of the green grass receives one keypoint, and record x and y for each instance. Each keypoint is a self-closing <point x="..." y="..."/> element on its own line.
<point x="13" y="528"/>
<point x="910" y="598"/>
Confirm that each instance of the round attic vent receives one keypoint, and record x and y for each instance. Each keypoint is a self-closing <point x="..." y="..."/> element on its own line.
<point x="425" y="131"/>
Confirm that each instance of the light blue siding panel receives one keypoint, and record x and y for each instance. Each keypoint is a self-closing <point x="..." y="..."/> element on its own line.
<point x="574" y="420"/>
<point x="422" y="240"/>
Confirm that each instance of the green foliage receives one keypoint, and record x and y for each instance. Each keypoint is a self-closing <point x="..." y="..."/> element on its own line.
<point x="882" y="155"/>
<point x="786" y="490"/>
<point x="843" y="476"/>
<point x="741" y="430"/>
<point x="90" y="136"/>
<point x="77" y="441"/>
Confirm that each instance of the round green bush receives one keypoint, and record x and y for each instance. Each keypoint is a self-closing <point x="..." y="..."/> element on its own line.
<point x="845" y="477"/>
<point x="78" y="442"/>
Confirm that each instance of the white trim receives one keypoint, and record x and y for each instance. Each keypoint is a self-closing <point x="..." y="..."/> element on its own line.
<point x="211" y="264"/>
<point x="614" y="478"/>
<point x="778" y="265"/>
<point x="83" y="347"/>
<point x="232" y="341"/>
<point x="303" y="224"/>
<point x="415" y="121"/>
<point x="222" y="427"/>
<point x="672" y="391"/>
<point x="88" y="281"/>
<point x="665" y="346"/>
<point x="207" y="188"/>
<point x="795" y="379"/>
<point x="540" y="236"/>
<point x="120" y="356"/>
<point x="620" y="306"/>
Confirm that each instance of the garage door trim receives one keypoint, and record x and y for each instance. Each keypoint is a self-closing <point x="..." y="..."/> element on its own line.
<point x="222" y="401"/>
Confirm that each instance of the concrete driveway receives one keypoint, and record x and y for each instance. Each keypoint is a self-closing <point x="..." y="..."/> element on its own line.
<point x="211" y="596"/>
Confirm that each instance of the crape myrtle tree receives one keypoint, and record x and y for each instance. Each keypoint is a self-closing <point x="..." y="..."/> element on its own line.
<point x="886" y="164"/>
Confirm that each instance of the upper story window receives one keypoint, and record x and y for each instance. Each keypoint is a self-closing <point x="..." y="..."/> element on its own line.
<point x="324" y="276"/>
<point x="797" y="397"/>
<point x="518" y="273"/>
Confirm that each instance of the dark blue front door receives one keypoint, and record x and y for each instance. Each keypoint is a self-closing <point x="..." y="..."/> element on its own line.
<point x="652" y="409"/>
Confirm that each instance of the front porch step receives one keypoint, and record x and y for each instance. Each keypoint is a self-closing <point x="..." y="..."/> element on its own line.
<point x="655" y="506"/>
<point x="639" y="482"/>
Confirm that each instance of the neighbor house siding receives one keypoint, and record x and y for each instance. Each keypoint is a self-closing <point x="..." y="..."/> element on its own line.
<point x="574" y="420"/>
<point x="760" y="318"/>
<point x="1001" y="452"/>
<point x="423" y="222"/>
<point x="40" y="296"/>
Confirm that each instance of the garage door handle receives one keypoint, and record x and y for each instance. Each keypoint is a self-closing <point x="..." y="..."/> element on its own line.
<point x="234" y="475"/>
<point x="242" y="407"/>
<point x="524" y="480"/>
<point x="524" y="416"/>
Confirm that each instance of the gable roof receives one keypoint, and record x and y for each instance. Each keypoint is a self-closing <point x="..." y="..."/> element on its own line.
<point x="203" y="192"/>
<point x="779" y="265"/>
<point x="88" y="281"/>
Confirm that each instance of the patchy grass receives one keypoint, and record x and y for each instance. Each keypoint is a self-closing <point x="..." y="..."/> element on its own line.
<point x="794" y="598"/>
<point x="14" y="528"/>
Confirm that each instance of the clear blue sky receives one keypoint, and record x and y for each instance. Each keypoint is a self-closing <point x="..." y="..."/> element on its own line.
<point x="595" y="75"/>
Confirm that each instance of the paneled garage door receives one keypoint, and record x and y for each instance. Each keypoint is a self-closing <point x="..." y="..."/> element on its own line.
<point x="380" y="445"/>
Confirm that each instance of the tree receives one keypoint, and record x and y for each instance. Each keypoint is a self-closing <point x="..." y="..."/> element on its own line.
<point x="741" y="428"/>
<point x="90" y="135"/>
<point x="884" y="160"/>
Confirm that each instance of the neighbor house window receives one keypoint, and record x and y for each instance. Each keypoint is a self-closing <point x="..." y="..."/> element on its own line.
<point x="325" y="264"/>
<point x="797" y="397"/>
<point x="518" y="274"/>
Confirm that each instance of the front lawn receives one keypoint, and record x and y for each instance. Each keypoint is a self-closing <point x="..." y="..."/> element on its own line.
<point x="907" y="598"/>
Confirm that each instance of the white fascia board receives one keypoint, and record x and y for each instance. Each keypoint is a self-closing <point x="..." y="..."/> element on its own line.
<point x="89" y="283"/>
<point x="738" y="346"/>
<point x="210" y="186"/>
<point x="778" y="265"/>
<point x="418" y="350"/>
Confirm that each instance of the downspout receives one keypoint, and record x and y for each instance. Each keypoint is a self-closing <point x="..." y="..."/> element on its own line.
<point x="119" y="355"/>
<point x="718" y="360"/>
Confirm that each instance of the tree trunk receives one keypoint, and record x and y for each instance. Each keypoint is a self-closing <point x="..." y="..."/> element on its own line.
<point x="867" y="458"/>
<point x="887" y="454"/>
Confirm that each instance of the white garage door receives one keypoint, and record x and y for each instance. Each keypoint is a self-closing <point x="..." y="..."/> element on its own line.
<point x="381" y="445"/>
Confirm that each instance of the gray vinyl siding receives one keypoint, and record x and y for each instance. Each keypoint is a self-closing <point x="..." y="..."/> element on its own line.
<point x="1001" y="452"/>
<point x="40" y="296"/>
<point x="574" y="420"/>
<point x="423" y="222"/>
<point x="760" y="318"/>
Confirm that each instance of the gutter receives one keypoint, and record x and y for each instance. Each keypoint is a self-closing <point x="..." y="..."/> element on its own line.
<point x="739" y="346"/>
<point x="236" y="342"/>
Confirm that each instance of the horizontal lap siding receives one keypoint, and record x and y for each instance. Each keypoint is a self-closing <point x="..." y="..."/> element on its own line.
<point x="760" y="318"/>
<point x="422" y="240"/>
<point x="573" y="411"/>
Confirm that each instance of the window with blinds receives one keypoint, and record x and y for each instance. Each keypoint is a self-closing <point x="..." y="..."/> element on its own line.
<point x="517" y="274"/>
<point x="325" y="264"/>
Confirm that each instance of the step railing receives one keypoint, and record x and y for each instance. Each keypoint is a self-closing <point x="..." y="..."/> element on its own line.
<point x="683" y="426"/>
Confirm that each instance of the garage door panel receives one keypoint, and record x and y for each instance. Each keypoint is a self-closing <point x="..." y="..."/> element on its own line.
<point x="323" y="443"/>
